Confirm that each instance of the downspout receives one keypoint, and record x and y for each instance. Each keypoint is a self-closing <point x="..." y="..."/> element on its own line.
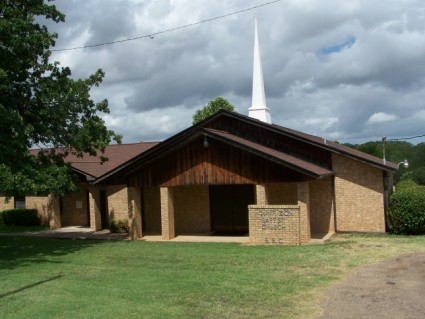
<point x="386" y="201"/>
<point x="334" y="203"/>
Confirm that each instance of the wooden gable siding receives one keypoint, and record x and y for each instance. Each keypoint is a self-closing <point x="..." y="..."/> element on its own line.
<point x="275" y="140"/>
<point x="218" y="164"/>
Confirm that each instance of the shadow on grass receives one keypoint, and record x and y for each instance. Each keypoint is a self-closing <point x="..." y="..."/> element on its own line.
<point x="21" y="251"/>
<point x="30" y="286"/>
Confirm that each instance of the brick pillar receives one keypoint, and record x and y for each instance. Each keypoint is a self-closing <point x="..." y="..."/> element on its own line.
<point x="167" y="213"/>
<point x="303" y="191"/>
<point x="134" y="212"/>
<point x="260" y="194"/>
<point x="53" y="212"/>
<point x="94" y="201"/>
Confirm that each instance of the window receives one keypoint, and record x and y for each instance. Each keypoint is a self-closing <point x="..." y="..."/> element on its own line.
<point x="19" y="202"/>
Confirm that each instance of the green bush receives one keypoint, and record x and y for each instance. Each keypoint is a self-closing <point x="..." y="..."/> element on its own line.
<point x="416" y="175"/>
<point x="407" y="209"/>
<point x="20" y="217"/>
<point x="118" y="226"/>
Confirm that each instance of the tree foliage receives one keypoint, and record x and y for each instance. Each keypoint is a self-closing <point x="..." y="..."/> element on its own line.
<point x="212" y="107"/>
<point x="397" y="151"/>
<point x="42" y="105"/>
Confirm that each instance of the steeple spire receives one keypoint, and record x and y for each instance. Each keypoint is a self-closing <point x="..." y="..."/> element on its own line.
<point x="259" y="109"/>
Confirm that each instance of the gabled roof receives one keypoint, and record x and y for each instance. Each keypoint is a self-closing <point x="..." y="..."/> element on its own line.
<point x="117" y="155"/>
<point x="288" y="160"/>
<point x="318" y="141"/>
<point x="339" y="148"/>
<point x="279" y="157"/>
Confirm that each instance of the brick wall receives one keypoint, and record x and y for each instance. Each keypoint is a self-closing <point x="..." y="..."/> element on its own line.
<point x="359" y="196"/>
<point x="6" y="205"/>
<point x="74" y="209"/>
<point x="47" y="207"/>
<point x="117" y="202"/>
<point x="167" y="213"/>
<point x="134" y="212"/>
<point x="151" y="210"/>
<point x="281" y="193"/>
<point x="303" y="194"/>
<point x="321" y="206"/>
<point x="191" y="209"/>
<point x="274" y="224"/>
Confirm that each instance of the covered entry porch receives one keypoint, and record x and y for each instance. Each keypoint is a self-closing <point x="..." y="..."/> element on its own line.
<point x="225" y="210"/>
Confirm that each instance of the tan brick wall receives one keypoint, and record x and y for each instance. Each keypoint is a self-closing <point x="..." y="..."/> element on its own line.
<point x="303" y="193"/>
<point x="281" y="193"/>
<point x="260" y="195"/>
<point x="74" y="209"/>
<point x="94" y="202"/>
<point x="47" y="207"/>
<point x="321" y="206"/>
<point x="6" y="205"/>
<point x="134" y="212"/>
<point x="191" y="209"/>
<point x="274" y="225"/>
<point x="151" y="210"/>
<point x="167" y="213"/>
<point x="359" y="196"/>
<point x="117" y="202"/>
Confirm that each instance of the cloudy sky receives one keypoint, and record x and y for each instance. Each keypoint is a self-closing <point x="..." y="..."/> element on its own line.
<point x="350" y="70"/>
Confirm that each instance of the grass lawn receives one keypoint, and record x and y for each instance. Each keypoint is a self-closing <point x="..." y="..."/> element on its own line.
<point x="52" y="278"/>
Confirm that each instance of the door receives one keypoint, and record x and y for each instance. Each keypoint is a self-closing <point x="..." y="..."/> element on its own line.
<point x="229" y="207"/>
<point x="104" y="209"/>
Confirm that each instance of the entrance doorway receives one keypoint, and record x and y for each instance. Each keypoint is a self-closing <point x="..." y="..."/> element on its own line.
<point x="104" y="209"/>
<point x="229" y="208"/>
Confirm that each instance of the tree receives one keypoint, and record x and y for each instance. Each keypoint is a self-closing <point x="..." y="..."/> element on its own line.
<point x="41" y="105"/>
<point x="212" y="107"/>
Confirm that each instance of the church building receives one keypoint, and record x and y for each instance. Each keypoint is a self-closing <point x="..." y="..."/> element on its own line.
<point x="232" y="174"/>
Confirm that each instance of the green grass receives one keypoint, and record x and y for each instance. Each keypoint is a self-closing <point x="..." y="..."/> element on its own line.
<point x="48" y="278"/>
<point x="21" y="229"/>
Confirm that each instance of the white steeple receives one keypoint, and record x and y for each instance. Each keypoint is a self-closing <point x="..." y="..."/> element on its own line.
<point x="259" y="109"/>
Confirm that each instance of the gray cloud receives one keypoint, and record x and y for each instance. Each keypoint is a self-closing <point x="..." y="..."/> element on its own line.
<point x="155" y="85"/>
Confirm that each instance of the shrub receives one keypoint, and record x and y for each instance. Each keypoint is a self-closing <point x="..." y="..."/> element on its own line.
<point x="118" y="226"/>
<point x="407" y="209"/>
<point x="20" y="217"/>
<point x="416" y="175"/>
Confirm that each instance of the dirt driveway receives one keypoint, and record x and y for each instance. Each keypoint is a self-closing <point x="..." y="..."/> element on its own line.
<point x="394" y="288"/>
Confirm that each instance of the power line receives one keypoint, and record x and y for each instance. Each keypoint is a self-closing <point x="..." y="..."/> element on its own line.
<point x="406" y="138"/>
<point x="152" y="35"/>
<point x="375" y="139"/>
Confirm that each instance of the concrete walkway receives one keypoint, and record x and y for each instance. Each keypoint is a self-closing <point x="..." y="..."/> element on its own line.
<point x="79" y="232"/>
<point x="200" y="238"/>
<point x="74" y="232"/>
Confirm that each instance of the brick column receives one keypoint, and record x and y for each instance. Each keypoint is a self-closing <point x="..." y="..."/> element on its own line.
<point x="167" y="214"/>
<point x="94" y="203"/>
<point x="303" y="192"/>
<point x="53" y="211"/>
<point x="134" y="212"/>
<point x="260" y="194"/>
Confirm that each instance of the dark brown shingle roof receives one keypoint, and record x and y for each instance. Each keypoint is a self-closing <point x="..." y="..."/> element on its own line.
<point x="339" y="148"/>
<point x="117" y="155"/>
